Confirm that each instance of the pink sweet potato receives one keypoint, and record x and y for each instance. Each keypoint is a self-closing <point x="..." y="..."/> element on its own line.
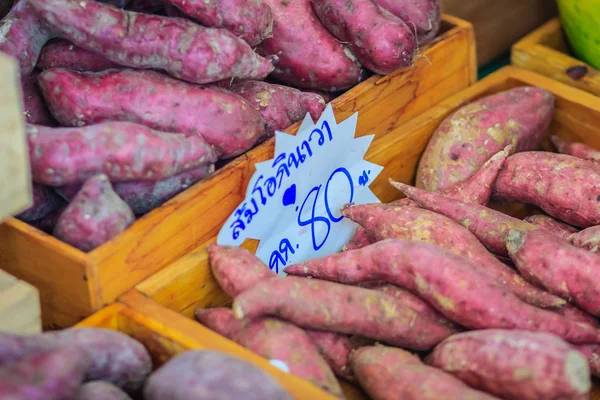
<point x="477" y="189"/>
<point x="34" y="107"/>
<point x="466" y="139"/>
<point x="181" y="48"/>
<point x="250" y="20"/>
<point x="281" y="106"/>
<point x="22" y="36"/>
<point x="395" y="222"/>
<point x="387" y="373"/>
<point x="98" y="390"/>
<point x="489" y="226"/>
<point x="575" y="149"/>
<point x="211" y="375"/>
<point x="45" y="201"/>
<point x="309" y="56"/>
<point x="224" y="120"/>
<point x="592" y="353"/>
<point x="576" y="314"/>
<point x="47" y="375"/>
<point x="123" y="151"/>
<point x="424" y="17"/>
<point x="564" y="270"/>
<point x="551" y="225"/>
<point x="588" y="239"/>
<point x="381" y="41"/>
<point x="64" y="54"/>
<point x="96" y="215"/>
<point x="328" y="306"/>
<point x="450" y="283"/>
<point x="335" y="349"/>
<point x="565" y="187"/>
<point x="271" y="338"/>
<point x="515" y="365"/>
<point x="115" y="357"/>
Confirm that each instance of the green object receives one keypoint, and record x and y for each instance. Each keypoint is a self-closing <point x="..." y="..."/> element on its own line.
<point x="581" y="22"/>
<point x="493" y="66"/>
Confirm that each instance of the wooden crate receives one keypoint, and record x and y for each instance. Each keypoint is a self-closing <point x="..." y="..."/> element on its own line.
<point x="19" y="306"/>
<point x="74" y="284"/>
<point x="546" y="51"/>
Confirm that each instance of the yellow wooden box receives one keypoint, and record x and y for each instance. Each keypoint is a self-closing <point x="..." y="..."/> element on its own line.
<point x="546" y="51"/>
<point x="74" y="284"/>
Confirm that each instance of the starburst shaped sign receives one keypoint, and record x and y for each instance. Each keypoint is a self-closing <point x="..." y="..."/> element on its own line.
<point x="293" y="201"/>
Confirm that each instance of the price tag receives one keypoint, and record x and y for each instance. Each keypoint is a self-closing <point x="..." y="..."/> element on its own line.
<point x="293" y="201"/>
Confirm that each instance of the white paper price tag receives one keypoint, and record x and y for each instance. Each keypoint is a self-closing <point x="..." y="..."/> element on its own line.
<point x="293" y="201"/>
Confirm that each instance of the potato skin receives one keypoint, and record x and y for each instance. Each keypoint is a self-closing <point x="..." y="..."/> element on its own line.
<point x="588" y="239"/>
<point x="560" y="229"/>
<point x="422" y="16"/>
<point x="466" y="139"/>
<point x="99" y="390"/>
<point x="34" y="107"/>
<point x="61" y="53"/>
<point x="575" y="149"/>
<point x="45" y="201"/>
<point x="513" y="364"/>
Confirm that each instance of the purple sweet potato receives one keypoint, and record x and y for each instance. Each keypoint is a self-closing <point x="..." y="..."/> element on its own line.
<point x="45" y="201"/>
<point x="551" y="225"/>
<point x="477" y="189"/>
<point x="489" y="226"/>
<point x="47" y="375"/>
<point x="450" y="283"/>
<point x="563" y="269"/>
<point x="96" y="215"/>
<point x="250" y="20"/>
<point x="99" y="390"/>
<point x="271" y="338"/>
<point x="575" y="149"/>
<point x="211" y="375"/>
<point x="387" y="373"/>
<point x="22" y="36"/>
<point x="48" y="223"/>
<point x="34" y="107"/>
<point x="181" y="48"/>
<point x="380" y="40"/>
<point x="281" y="106"/>
<point x="383" y="221"/>
<point x="424" y="17"/>
<point x="309" y="56"/>
<point x="124" y="151"/>
<point x="64" y="54"/>
<point x="466" y="139"/>
<point x="328" y="306"/>
<point x="565" y="187"/>
<point x="588" y="238"/>
<point x="515" y="365"/>
<point x="154" y="100"/>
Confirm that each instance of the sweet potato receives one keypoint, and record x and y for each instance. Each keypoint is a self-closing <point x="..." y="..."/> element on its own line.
<point x="576" y="314"/>
<point x="468" y="137"/>
<point x="477" y="189"/>
<point x="116" y="358"/>
<point x="381" y="41"/>
<point x="250" y="20"/>
<point x="489" y="226"/>
<point x="281" y="106"/>
<point x="564" y="270"/>
<point x="47" y="375"/>
<point x="387" y="373"/>
<point x="45" y="201"/>
<point x="210" y="375"/>
<point x="48" y="223"/>
<point x="514" y="364"/>
<point x="22" y="36"/>
<point x="575" y="149"/>
<point x="123" y="151"/>
<point x="592" y="353"/>
<point x="328" y="306"/>
<point x="271" y="338"/>
<point x="450" y="283"/>
<point x="551" y="225"/>
<point x="98" y="390"/>
<point x="424" y="17"/>
<point x="34" y="108"/>
<point x="309" y="56"/>
<point x="181" y="48"/>
<point x="395" y="222"/>
<point x="64" y="54"/>
<point x="335" y="349"/>
<point x="565" y="187"/>
<point x="224" y="120"/>
<point x="588" y="238"/>
<point x="96" y="215"/>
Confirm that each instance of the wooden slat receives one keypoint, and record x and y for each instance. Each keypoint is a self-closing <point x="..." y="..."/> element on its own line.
<point x="19" y="306"/>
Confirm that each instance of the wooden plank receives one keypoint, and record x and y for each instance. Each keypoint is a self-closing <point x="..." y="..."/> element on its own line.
<point x="19" y="306"/>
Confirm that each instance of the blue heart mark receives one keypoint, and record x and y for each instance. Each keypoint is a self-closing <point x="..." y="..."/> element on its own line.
<point x="289" y="196"/>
